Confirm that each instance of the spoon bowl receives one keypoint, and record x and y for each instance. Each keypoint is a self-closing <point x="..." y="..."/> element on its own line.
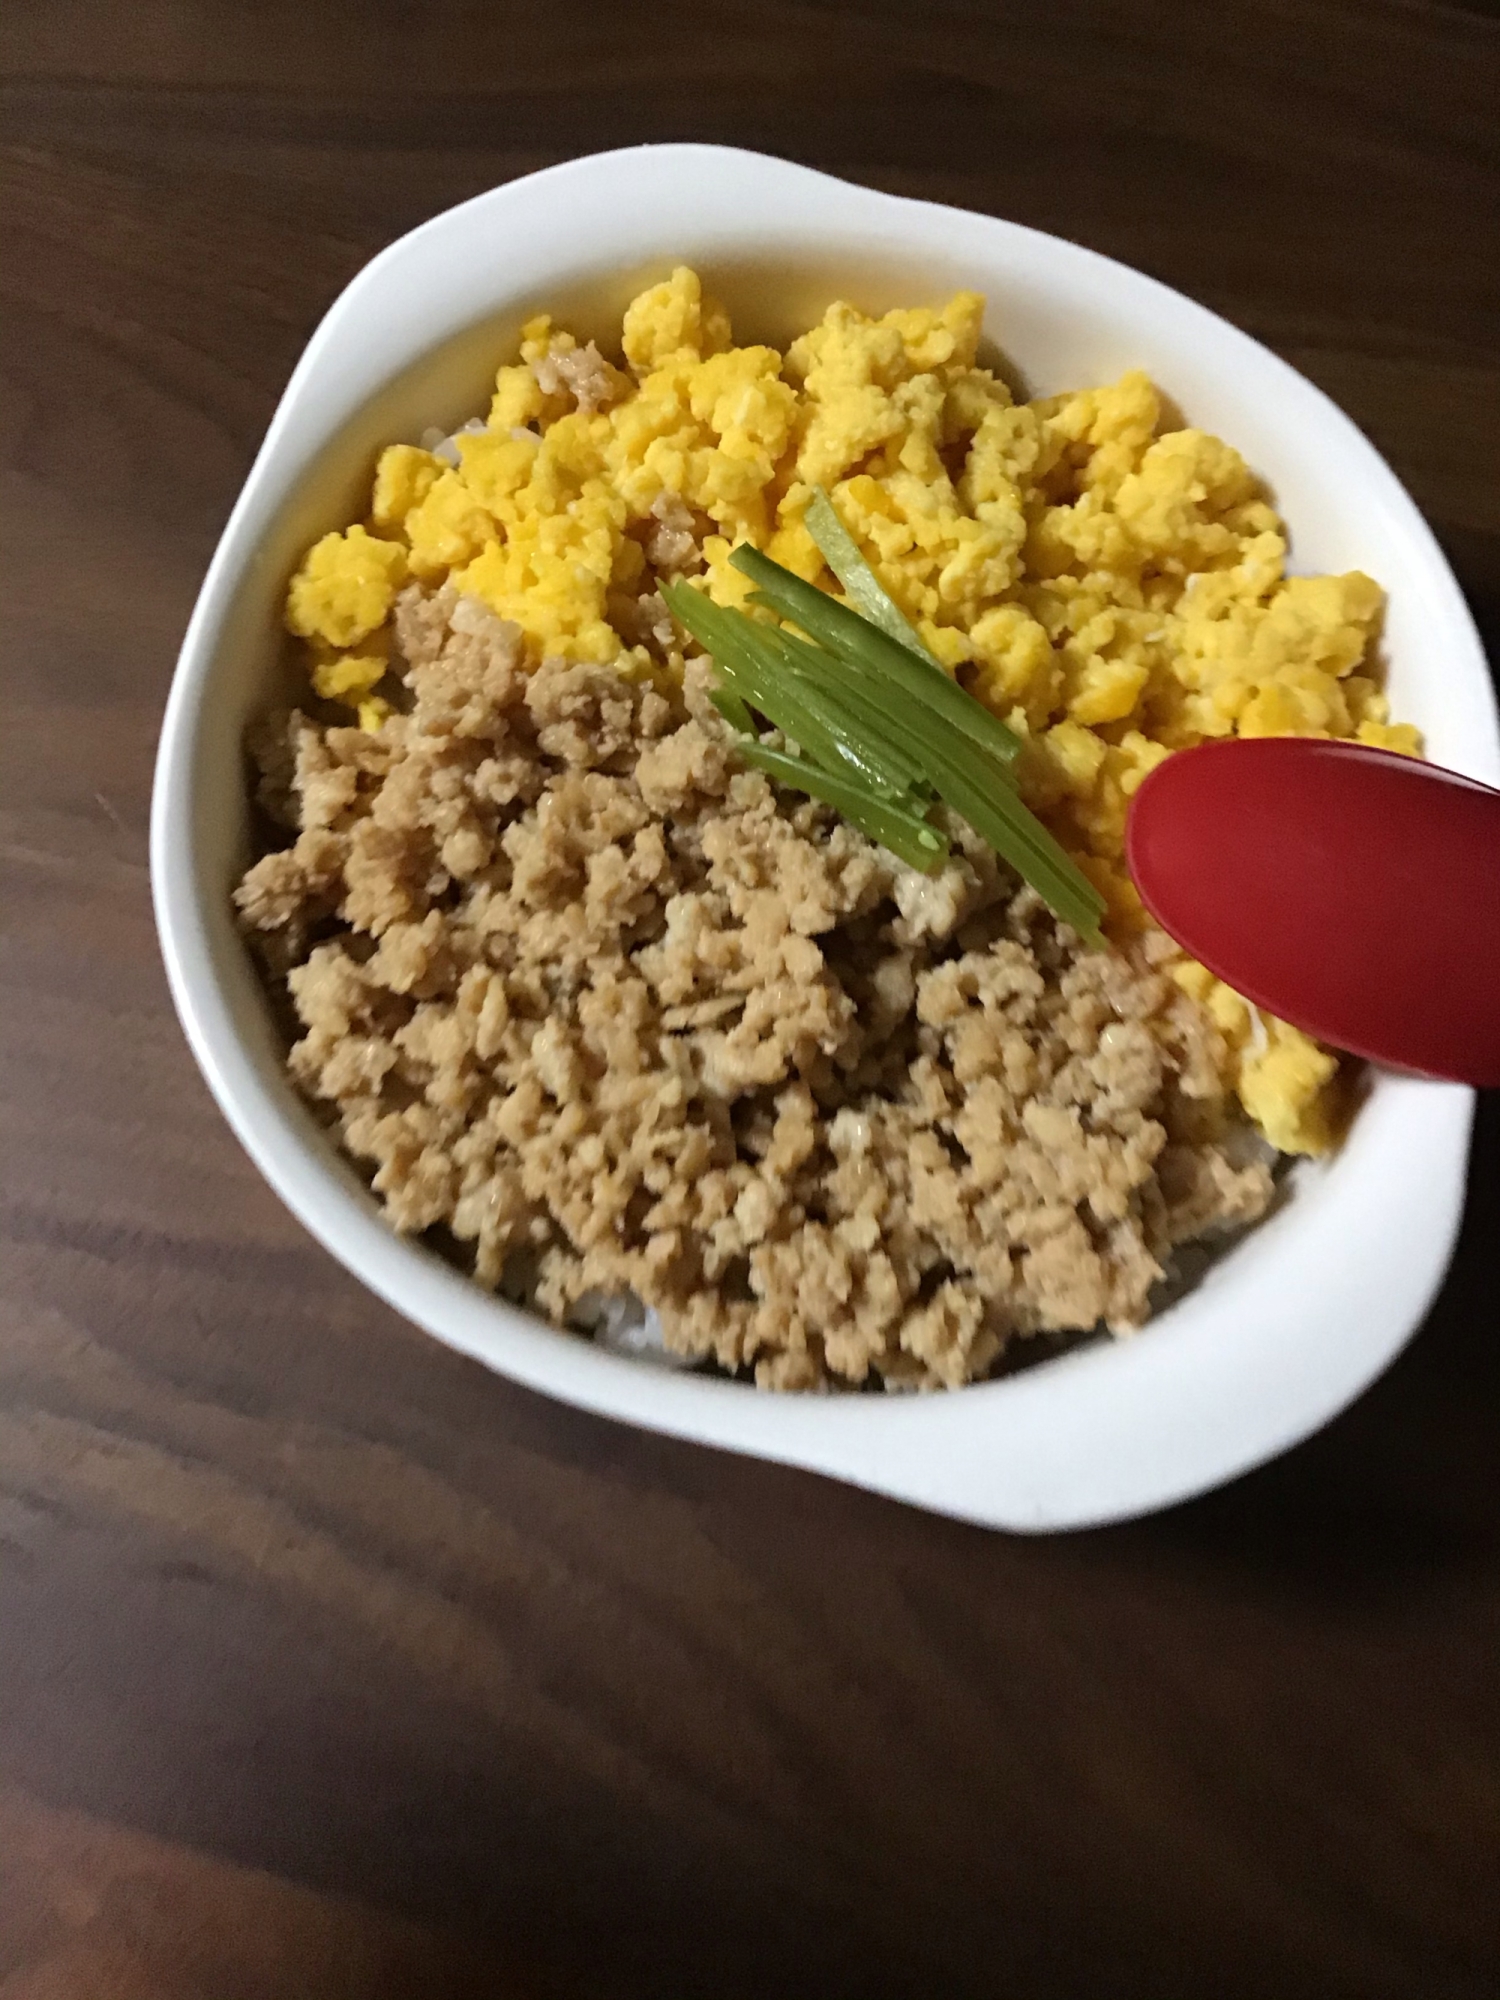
<point x="1352" y="892"/>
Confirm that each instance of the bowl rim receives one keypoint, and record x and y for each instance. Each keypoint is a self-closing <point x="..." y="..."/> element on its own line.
<point x="1047" y="1448"/>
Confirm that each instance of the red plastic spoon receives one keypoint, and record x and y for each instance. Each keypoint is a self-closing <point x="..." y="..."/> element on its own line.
<point x="1349" y="891"/>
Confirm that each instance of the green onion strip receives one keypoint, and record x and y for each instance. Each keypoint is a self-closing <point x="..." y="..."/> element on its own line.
<point x="862" y="586"/>
<point x="908" y="836"/>
<point x="880" y="731"/>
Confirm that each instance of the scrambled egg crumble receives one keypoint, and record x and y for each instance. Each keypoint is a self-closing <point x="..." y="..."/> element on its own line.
<point x="1113" y="590"/>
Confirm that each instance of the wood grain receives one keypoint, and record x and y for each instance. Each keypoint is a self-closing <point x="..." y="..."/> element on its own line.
<point x="329" y="1663"/>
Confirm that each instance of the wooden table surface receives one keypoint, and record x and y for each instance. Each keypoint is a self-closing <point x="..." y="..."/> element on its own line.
<point x="331" y="1665"/>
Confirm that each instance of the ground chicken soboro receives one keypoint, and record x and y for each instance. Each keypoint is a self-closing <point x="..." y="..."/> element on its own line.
<point x="616" y="1015"/>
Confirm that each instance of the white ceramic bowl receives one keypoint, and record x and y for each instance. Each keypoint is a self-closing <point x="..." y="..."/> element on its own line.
<point x="1288" y="1327"/>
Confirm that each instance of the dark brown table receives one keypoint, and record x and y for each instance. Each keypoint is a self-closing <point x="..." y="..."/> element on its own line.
<point x="331" y="1665"/>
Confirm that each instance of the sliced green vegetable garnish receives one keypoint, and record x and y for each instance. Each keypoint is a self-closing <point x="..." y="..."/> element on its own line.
<point x="880" y="729"/>
<point x="909" y="838"/>
<point x="844" y="632"/>
<point x="863" y="698"/>
<point x="733" y="710"/>
<point x="747" y="659"/>
<point x="844" y="704"/>
<point x="863" y="587"/>
<point x="998" y="815"/>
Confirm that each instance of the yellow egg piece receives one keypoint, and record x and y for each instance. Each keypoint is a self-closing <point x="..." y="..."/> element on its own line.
<point x="345" y="587"/>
